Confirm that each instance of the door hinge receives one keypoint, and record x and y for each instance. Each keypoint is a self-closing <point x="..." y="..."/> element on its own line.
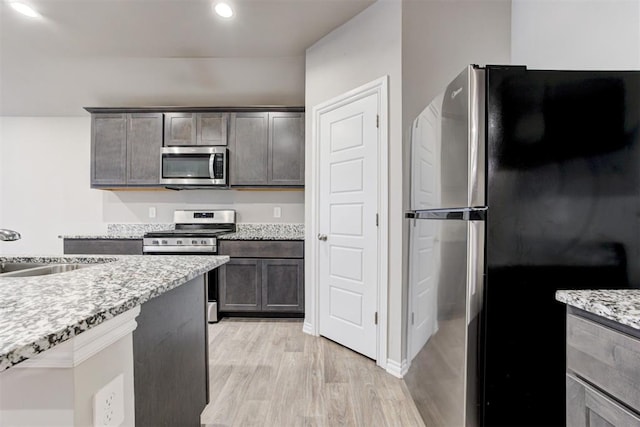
<point x="376" y="318"/>
<point x="412" y="318"/>
<point x="377" y="218"/>
<point x="377" y="120"/>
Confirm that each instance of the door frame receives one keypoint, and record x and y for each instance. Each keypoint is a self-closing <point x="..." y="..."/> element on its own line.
<point x="311" y="326"/>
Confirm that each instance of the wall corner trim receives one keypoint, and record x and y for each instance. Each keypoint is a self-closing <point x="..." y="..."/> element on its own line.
<point x="308" y="328"/>
<point x="397" y="369"/>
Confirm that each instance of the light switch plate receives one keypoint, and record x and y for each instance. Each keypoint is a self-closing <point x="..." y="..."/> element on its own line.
<point x="277" y="212"/>
<point x="152" y="212"/>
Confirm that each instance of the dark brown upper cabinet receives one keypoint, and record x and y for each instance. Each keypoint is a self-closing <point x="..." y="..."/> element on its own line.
<point x="195" y="129"/>
<point x="267" y="149"/>
<point x="125" y="149"/>
<point x="266" y="144"/>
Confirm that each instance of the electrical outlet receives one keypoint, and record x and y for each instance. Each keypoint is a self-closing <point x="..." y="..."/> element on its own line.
<point x="108" y="404"/>
<point x="152" y="212"/>
<point x="277" y="212"/>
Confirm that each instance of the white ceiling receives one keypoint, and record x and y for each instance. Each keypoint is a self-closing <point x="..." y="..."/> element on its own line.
<point x="159" y="52"/>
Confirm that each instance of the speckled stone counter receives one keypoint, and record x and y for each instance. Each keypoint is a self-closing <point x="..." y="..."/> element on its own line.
<point x="266" y="231"/>
<point x="622" y="306"/>
<point x="244" y="231"/>
<point x="37" y="313"/>
<point x="122" y="231"/>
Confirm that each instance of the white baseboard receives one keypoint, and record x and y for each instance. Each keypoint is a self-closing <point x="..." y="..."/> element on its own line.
<point x="397" y="369"/>
<point x="307" y="328"/>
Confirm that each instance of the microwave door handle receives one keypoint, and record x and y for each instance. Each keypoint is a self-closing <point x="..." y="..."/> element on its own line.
<point x="211" y="159"/>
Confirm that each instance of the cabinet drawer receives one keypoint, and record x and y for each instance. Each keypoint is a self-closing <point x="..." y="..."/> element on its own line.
<point x="586" y="406"/>
<point x="604" y="357"/>
<point x="261" y="248"/>
<point x="103" y="246"/>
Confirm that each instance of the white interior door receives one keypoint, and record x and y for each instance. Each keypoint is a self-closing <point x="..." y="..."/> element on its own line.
<point x="424" y="250"/>
<point x="348" y="245"/>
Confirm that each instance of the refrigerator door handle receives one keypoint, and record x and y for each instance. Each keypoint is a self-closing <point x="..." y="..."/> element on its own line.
<point x="464" y="214"/>
<point x="475" y="268"/>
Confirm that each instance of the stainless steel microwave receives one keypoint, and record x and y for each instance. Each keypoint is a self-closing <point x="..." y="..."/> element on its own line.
<point x="194" y="166"/>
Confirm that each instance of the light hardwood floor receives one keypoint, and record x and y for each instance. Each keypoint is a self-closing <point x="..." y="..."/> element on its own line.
<point x="269" y="373"/>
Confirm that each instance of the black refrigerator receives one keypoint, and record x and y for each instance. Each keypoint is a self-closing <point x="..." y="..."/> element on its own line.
<point x="523" y="182"/>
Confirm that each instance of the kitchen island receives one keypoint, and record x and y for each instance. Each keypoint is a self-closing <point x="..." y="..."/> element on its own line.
<point x="42" y="314"/>
<point x="603" y="357"/>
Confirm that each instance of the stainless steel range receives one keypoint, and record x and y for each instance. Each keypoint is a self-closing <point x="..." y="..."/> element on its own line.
<point x="196" y="233"/>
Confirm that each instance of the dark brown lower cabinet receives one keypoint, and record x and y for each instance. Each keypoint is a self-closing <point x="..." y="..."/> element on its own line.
<point x="240" y="285"/>
<point x="603" y="372"/>
<point x="170" y="356"/>
<point x="102" y="246"/>
<point x="262" y="285"/>
<point x="282" y="285"/>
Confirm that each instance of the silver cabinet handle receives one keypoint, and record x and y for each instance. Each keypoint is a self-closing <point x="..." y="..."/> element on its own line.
<point x="322" y="237"/>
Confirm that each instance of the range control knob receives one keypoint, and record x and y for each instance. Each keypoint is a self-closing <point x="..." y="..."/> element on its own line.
<point x="203" y="242"/>
<point x="155" y="242"/>
<point x="178" y="242"/>
<point x="194" y="242"/>
<point x="164" y="242"/>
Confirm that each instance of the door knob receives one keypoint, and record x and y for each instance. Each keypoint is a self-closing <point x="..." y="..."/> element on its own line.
<point x="322" y="237"/>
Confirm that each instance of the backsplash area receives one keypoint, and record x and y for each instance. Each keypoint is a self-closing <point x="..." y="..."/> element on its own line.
<point x="250" y="206"/>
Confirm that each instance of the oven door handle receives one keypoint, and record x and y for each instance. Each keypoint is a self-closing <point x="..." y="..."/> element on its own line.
<point x="211" y="159"/>
<point x="181" y="250"/>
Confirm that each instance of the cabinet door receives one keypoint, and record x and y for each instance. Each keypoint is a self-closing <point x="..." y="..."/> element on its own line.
<point x="144" y="142"/>
<point x="179" y="129"/>
<point x="239" y="285"/>
<point x="286" y="149"/>
<point x="108" y="149"/>
<point x="212" y="128"/>
<point x="587" y="406"/>
<point x="283" y="285"/>
<point x="249" y="149"/>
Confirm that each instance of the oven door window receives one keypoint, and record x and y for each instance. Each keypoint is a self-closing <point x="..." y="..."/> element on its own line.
<point x="185" y="166"/>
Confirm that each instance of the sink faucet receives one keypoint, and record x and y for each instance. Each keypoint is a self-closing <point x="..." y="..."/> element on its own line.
<point x="9" y="235"/>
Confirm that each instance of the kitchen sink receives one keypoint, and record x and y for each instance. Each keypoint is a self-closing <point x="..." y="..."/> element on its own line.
<point x="28" y="269"/>
<point x="6" y="267"/>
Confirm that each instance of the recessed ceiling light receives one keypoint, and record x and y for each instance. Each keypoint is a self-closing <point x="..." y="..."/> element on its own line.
<point x="223" y="9"/>
<point x="24" y="9"/>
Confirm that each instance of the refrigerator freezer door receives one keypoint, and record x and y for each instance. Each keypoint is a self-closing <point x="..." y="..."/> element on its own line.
<point x="444" y="299"/>
<point x="447" y="147"/>
<point x="563" y="186"/>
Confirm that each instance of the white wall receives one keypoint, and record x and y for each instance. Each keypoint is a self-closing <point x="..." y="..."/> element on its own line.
<point x="364" y="49"/>
<point x="45" y="182"/>
<point x="44" y="189"/>
<point x="586" y="34"/>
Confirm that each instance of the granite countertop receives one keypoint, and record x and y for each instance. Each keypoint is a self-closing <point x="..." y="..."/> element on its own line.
<point x="39" y="312"/>
<point x="122" y="231"/>
<point x="244" y="231"/>
<point x="619" y="305"/>
<point x="274" y="231"/>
